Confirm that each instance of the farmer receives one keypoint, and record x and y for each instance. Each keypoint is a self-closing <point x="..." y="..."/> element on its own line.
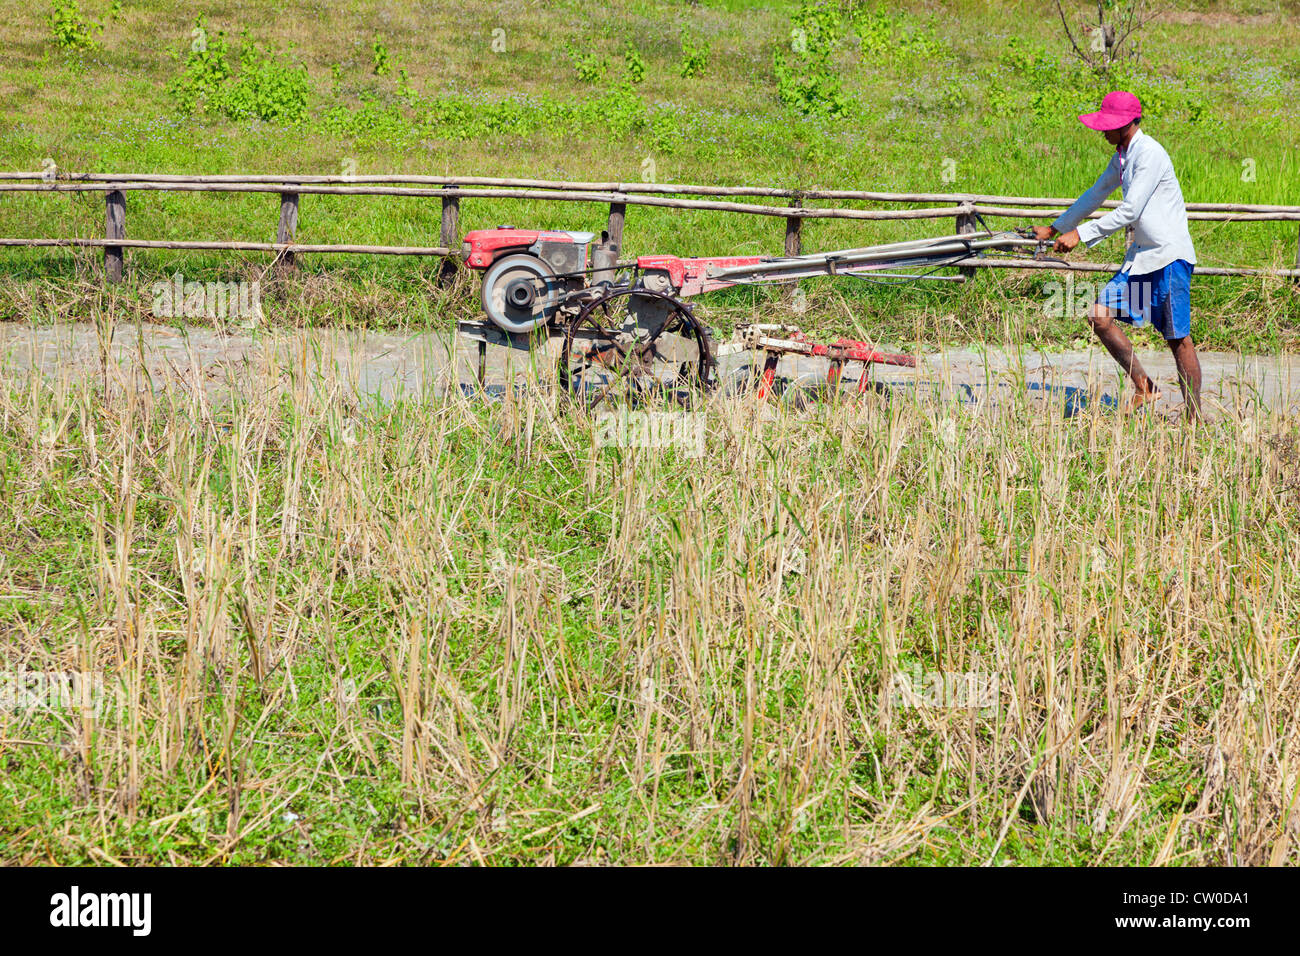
<point x="1153" y="284"/>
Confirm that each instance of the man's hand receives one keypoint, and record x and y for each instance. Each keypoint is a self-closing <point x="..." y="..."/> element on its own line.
<point x="1043" y="233"/>
<point x="1067" y="241"/>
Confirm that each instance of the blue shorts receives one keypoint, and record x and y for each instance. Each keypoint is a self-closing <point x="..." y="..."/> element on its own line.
<point x="1163" y="298"/>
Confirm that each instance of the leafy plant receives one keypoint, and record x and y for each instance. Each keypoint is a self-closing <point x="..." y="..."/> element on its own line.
<point x="404" y="89"/>
<point x="809" y="80"/>
<point x="207" y="67"/>
<point x="875" y="28"/>
<point x="268" y="86"/>
<point x="695" y="57"/>
<point x="70" y="29"/>
<point x="381" y="66"/>
<point x="1031" y="60"/>
<point x="953" y="97"/>
<point x="635" y="63"/>
<point x="590" y="66"/>
<point x="622" y="109"/>
<point x="883" y="34"/>
<point x="666" y="134"/>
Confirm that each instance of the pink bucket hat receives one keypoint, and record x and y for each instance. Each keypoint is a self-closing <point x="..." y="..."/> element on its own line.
<point x="1118" y="109"/>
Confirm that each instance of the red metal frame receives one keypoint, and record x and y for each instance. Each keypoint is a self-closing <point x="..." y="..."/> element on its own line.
<point x="688" y="275"/>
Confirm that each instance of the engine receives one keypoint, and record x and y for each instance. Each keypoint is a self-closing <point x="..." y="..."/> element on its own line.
<point x="527" y="272"/>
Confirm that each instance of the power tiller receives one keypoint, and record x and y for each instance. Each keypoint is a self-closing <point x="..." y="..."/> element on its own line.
<point x="627" y="328"/>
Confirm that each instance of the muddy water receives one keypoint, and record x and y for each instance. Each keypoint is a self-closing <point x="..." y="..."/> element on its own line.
<point x="388" y="365"/>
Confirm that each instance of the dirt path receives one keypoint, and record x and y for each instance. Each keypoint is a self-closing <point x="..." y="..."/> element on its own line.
<point x="389" y="365"/>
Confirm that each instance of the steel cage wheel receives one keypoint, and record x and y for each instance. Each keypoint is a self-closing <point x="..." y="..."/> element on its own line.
<point x="610" y="354"/>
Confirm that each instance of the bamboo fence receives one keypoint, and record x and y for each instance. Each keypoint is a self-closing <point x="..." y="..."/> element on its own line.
<point x="450" y="190"/>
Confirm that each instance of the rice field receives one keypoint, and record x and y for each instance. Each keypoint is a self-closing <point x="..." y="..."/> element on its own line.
<point x="324" y="630"/>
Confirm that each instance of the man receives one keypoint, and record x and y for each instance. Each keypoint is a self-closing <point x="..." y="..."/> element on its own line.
<point x="1154" y="283"/>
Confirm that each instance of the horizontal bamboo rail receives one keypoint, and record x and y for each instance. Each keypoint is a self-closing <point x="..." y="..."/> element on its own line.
<point x="279" y="247"/>
<point x="619" y="187"/>
<point x="946" y="212"/>
<point x="963" y="208"/>
<point x="1237" y="214"/>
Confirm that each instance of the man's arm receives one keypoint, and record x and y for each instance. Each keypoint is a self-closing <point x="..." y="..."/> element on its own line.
<point x="1146" y="176"/>
<point x="1085" y="205"/>
<point x="1109" y="181"/>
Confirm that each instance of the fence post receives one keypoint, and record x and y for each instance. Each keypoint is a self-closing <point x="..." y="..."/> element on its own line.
<point x="617" y="213"/>
<point x="792" y="224"/>
<point x="287" y="227"/>
<point x="1296" y="279"/>
<point x="965" y="224"/>
<point x="449" y="235"/>
<point x="114" y="228"/>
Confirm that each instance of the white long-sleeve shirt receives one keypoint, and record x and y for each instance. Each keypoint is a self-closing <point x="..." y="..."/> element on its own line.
<point x="1153" y="206"/>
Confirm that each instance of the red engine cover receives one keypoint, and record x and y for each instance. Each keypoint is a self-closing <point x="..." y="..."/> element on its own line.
<point x="483" y="246"/>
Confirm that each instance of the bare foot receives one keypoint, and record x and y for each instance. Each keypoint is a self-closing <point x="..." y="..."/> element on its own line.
<point x="1140" y="398"/>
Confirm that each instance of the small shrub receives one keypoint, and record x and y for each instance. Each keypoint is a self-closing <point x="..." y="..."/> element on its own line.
<point x="635" y="63"/>
<point x="622" y="109"/>
<point x="666" y="134"/>
<point x="884" y="35"/>
<point x="381" y="66"/>
<point x="953" y="97"/>
<point x="70" y="29"/>
<point x="590" y="66"/>
<point x="404" y="89"/>
<point x="207" y="68"/>
<point x="268" y="85"/>
<point x="695" y="57"/>
<point x="808" y="80"/>
<point x="875" y="28"/>
<point x="1030" y="60"/>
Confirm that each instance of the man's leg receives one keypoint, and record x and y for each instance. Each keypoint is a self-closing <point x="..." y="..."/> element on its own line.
<point x="1102" y="320"/>
<point x="1189" y="375"/>
<point x="1175" y="324"/>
